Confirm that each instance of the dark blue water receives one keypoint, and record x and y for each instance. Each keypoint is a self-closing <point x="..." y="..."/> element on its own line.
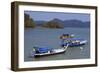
<point x="44" y="37"/>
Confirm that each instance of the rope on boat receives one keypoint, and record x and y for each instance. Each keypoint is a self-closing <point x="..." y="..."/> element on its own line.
<point x="66" y="46"/>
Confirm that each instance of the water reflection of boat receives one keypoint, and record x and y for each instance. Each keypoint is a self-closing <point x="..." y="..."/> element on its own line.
<point x="37" y="52"/>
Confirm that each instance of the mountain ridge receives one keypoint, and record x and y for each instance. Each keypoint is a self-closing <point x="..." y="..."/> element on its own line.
<point x="67" y="23"/>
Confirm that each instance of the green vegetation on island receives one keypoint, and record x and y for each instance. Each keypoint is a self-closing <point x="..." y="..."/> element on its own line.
<point x="28" y="22"/>
<point x="52" y="24"/>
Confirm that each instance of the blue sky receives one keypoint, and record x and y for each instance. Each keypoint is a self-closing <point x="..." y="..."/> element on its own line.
<point x="47" y="16"/>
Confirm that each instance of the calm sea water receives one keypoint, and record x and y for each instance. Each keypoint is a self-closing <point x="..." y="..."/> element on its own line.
<point x="44" y="37"/>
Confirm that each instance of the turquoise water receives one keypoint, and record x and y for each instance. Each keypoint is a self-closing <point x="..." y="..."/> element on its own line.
<point x="44" y="37"/>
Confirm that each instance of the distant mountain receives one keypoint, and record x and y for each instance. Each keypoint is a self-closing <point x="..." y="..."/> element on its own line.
<point x="76" y="23"/>
<point x="57" y="20"/>
<point x="66" y="23"/>
<point x="53" y="24"/>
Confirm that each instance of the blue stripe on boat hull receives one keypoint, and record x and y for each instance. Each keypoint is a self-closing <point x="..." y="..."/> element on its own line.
<point x="73" y="45"/>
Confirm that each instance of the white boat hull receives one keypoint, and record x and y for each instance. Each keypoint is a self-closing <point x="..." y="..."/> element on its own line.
<point x="54" y="51"/>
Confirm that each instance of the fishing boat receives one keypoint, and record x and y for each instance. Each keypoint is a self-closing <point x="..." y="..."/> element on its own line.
<point x="37" y="52"/>
<point x="72" y="42"/>
<point x="64" y="36"/>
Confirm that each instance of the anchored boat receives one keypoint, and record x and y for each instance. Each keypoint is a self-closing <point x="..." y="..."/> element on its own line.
<point x="64" y="36"/>
<point x="72" y="42"/>
<point x="37" y="52"/>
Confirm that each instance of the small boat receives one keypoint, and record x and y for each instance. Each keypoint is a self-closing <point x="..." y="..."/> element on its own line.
<point x="64" y="36"/>
<point x="72" y="42"/>
<point x="38" y="52"/>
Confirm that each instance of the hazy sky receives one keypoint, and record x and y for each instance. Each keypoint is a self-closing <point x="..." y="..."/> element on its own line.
<point x="46" y="16"/>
